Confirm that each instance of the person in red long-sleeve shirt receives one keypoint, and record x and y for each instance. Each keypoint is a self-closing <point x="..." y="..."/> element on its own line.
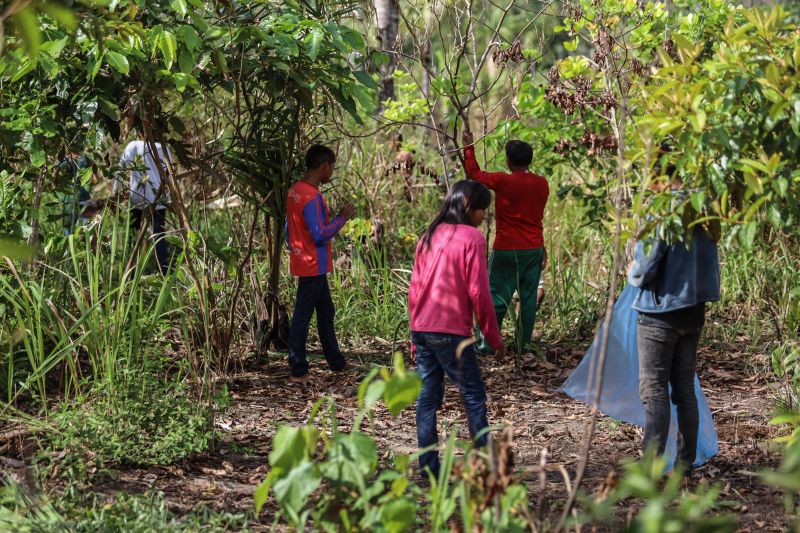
<point x="516" y="260"/>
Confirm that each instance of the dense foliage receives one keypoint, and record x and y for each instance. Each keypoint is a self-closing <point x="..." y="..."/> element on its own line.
<point x="112" y="365"/>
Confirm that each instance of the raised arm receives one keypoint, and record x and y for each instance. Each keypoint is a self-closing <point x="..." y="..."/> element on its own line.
<point x="474" y="172"/>
<point x="321" y="230"/>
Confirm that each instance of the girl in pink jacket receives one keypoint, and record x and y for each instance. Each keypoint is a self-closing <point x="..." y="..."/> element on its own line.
<point x="449" y="285"/>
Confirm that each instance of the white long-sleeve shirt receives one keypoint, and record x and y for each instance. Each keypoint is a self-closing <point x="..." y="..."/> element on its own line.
<point x="144" y="178"/>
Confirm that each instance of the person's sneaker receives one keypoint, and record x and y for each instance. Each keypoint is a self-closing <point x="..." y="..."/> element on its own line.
<point x="301" y="378"/>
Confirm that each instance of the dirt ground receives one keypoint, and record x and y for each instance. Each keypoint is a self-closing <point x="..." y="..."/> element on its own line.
<point x="524" y="398"/>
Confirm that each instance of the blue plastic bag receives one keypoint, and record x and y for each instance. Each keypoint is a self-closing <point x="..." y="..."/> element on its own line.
<point x="619" y="397"/>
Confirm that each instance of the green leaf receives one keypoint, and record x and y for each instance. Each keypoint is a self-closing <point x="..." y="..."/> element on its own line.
<point x="118" y="62"/>
<point x="698" y="200"/>
<point x="293" y="490"/>
<point x="189" y="37"/>
<point x="402" y="388"/>
<point x="353" y="458"/>
<point x="186" y="62"/>
<point x="261" y="494"/>
<point x="313" y="41"/>
<point x="366" y="79"/>
<point x="380" y="59"/>
<point x="352" y="37"/>
<point x="747" y="234"/>
<point x="26" y="67"/>
<point x="292" y="445"/>
<point x="398" y="515"/>
<point x="60" y="13"/>
<point x="15" y="250"/>
<point x="110" y="110"/>
<point x="572" y="45"/>
<point x="28" y="25"/>
<point x="179" y="6"/>
<point x="374" y="393"/>
<point x="34" y="145"/>
<point x="219" y="61"/>
<point x="94" y="62"/>
<point x="168" y="46"/>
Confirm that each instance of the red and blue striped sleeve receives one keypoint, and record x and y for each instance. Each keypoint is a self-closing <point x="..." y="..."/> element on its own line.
<point x="316" y="219"/>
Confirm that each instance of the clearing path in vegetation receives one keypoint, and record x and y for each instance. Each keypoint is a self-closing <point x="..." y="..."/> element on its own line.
<point x="524" y="397"/>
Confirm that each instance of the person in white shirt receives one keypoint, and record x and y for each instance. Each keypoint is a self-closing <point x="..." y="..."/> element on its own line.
<point x="145" y="191"/>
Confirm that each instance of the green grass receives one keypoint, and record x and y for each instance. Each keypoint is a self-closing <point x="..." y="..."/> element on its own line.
<point x="140" y="513"/>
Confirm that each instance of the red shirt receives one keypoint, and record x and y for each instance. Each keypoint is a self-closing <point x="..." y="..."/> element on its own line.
<point x="520" y="198"/>
<point x="309" y="232"/>
<point x="449" y="284"/>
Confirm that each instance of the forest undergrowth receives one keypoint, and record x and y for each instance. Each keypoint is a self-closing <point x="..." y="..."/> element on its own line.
<point x="133" y="399"/>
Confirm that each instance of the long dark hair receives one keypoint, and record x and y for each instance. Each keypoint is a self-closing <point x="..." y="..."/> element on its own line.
<point x="464" y="196"/>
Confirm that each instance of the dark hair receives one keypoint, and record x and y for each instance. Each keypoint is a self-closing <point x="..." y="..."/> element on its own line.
<point x="464" y="196"/>
<point x="519" y="153"/>
<point x="318" y="155"/>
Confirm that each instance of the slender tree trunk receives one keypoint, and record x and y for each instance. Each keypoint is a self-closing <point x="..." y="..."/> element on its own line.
<point x="388" y="22"/>
<point x="33" y="239"/>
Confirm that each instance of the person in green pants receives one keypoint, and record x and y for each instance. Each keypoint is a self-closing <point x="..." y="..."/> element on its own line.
<point x="518" y="250"/>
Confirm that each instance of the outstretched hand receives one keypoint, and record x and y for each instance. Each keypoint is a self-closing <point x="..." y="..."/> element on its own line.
<point x="467" y="139"/>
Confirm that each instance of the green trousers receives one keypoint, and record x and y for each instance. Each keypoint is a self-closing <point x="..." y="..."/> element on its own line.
<point x="515" y="271"/>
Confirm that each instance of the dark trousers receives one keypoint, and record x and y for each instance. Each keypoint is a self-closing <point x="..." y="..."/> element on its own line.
<point x="667" y="356"/>
<point x="159" y="233"/>
<point x="313" y="294"/>
<point x="436" y="356"/>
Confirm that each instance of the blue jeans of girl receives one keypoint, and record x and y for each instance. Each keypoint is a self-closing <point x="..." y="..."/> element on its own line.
<point x="436" y="356"/>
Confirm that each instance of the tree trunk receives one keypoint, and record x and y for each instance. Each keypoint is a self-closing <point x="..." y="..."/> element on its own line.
<point x="388" y="21"/>
<point x="33" y="239"/>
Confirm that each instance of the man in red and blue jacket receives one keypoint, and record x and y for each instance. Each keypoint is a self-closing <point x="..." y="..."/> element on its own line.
<point x="309" y="234"/>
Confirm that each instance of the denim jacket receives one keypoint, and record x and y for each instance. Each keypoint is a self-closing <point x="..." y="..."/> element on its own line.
<point x="672" y="277"/>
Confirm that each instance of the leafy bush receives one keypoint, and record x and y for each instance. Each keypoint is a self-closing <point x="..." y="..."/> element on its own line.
<point x="667" y="506"/>
<point x="787" y="477"/>
<point x="153" y="423"/>
<point x="357" y="495"/>
<point x="130" y="513"/>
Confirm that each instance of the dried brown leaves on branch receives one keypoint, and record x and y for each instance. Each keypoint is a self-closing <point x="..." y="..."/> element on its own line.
<point x="597" y="143"/>
<point x="578" y="96"/>
<point x="502" y="56"/>
<point x="406" y="166"/>
<point x="489" y="478"/>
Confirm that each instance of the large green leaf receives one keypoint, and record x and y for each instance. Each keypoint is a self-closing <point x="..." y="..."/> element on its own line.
<point x="353" y="458"/>
<point x="118" y="62"/>
<point x="292" y="445"/>
<point x="366" y="79"/>
<point x="313" y="42"/>
<point x="169" y="47"/>
<point x="398" y="515"/>
<point x="402" y="388"/>
<point x="293" y="490"/>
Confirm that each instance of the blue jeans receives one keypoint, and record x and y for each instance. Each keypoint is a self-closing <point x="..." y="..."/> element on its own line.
<point x="313" y="294"/>
<point x="436" y="355"/>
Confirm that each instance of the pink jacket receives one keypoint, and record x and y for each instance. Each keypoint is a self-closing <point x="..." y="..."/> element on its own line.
<point x="450" y="283"/>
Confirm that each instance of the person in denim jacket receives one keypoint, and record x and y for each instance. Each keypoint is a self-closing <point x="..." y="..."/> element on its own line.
<point x="675" y="281"/>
